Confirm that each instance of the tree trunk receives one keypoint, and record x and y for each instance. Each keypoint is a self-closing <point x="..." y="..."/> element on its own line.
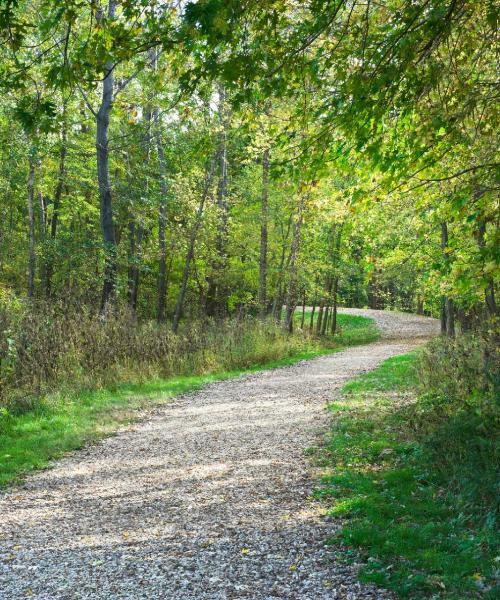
<point x="192" y="241"/>
<point x="326" y="314"/>
<point x="443" y="316"/>
<point x="489" y="292"/>
<point x="335" y="285"/>
<point x="162" y="221"/>
<point x="303" y="310"/>
<point x="335" y="304"/>
<point x="320" y="316"/>
<point x="450" y="317"/>
<point x="105" y="197"/>
<point x="311" y="321"/>
<point x="263" y="235"/>
<point x="136" y="234"/>
<point x="449" y="309"/>
<point x="56" y="206"/>
<point x="162" y="209"/>
<point x="42" y="230"/>
<point x="31" y="235"/>
<point x="216" y="304"/>
<point x="291" y="299"/>
<point x="278" y="298"/>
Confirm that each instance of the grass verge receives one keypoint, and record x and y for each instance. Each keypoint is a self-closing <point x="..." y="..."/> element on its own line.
<point x="66" y="420"/>
<point x="416" y="501"/>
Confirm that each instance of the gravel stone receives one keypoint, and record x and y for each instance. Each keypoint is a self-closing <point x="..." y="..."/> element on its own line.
<point x="207" y="499"/>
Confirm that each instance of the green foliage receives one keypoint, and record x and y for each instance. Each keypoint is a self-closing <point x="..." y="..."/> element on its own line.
<point x="417" y="488"/>
<point x="460" y="373"/>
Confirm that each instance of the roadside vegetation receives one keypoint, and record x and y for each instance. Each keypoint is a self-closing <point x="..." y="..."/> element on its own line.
<point x="57" y="395"/>
<point x="412" y="468"/>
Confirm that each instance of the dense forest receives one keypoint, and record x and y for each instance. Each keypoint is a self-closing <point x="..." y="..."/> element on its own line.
<point x="197" y="187"/>
<point x="204" y="158"/>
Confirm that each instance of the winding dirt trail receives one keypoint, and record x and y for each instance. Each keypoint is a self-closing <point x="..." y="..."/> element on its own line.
<point x="208" y="499"/>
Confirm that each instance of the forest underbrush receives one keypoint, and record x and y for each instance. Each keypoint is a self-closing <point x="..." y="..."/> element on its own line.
<point x="412" y="469"/>
<point x="69" y="375"/>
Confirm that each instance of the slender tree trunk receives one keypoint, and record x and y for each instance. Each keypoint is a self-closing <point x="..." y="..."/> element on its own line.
<point x="192" y="241"/>
<point x="278" y="298"/>
<point x="335" y="285"/>
<point x="105" y="197"/>
<point x="324" y="324"/>
<point x="31" y="235"/>
<point x="216" y="304"/>
<point x="131" y="260"/>
<point x="450" y="317"/>
<point x="263" y="234"/>
<point x="449" y="308"/>
<point x="291" y="299"/>
<point x="489" y="292"/>
<point x="56" y="206"/>
<point x="311" y="321"/>
<point x="134" y="241"/>
<point x="43" y="228"/>
<point x="136" y="229"/>
<point x="326" y="316"/>
<point x="136" y="234"/>
<point x="443" y="316"/>
<point x="303" y="310"/>
<point x="420" y="305"/>
<point x="335" y="305"/>
<point x="162" y="220"/>
<point x="162" y="209"/>
<point x="319" y="322"/>
<point x="278" y="302"/>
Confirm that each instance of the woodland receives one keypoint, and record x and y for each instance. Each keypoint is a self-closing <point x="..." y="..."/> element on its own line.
<point x="190" y="187"/>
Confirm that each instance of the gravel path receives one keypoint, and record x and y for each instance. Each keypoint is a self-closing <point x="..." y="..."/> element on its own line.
<point x="207" y="499"/>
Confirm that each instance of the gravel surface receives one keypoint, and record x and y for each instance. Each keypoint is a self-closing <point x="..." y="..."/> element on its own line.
<point x="206" y="499"/>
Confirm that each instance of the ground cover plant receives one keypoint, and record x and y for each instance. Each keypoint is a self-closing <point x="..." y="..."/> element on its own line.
<point x="414" y="475"/>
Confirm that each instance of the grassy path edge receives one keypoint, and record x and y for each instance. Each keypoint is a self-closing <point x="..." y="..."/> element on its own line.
<point x="68" y="420"/>
<point x="400" y="507"/>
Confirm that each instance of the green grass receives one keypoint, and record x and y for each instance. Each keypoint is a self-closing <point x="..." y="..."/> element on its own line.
<point x="423" y="527"/>
<point x="68" y="420"/>
<point x="351" y="329"/>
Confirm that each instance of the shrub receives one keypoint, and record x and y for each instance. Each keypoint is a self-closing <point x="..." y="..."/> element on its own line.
<point x="459" y="371"/>
<point x="458" y="415"/>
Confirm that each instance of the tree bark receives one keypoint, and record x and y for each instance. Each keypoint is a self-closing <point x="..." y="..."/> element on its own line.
<point x="162" y="220"/>
<point x="105" y="196"/>
<point x="449" y="309"/>
<point x="489" y="292"/>
<point x="303" y="310"/>
<point x="311" y="321"/>
<point x="56" y="206"/>
<point x="291" y="299"/>
<point x="335" y="288"/>
<point x="335" y="305"/>
<point x="326" y="314"/>
<point x="278" y="298"/>
<point x="217" y="294"/>
<point x="31" y="234"/>
<point x="319" y="322"/>
<point x="443" y="316"/>
<point x="263" y="235"/>
<point x="192" y="241"/>
<point x="42" y="230"/>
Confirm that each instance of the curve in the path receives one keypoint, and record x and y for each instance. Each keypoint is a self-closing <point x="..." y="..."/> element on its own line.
<point x="206" y="500"/>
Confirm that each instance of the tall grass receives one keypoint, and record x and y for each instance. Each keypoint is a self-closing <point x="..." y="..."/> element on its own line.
<point x="69" y="376"/>
<point x="49" y="346"/>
